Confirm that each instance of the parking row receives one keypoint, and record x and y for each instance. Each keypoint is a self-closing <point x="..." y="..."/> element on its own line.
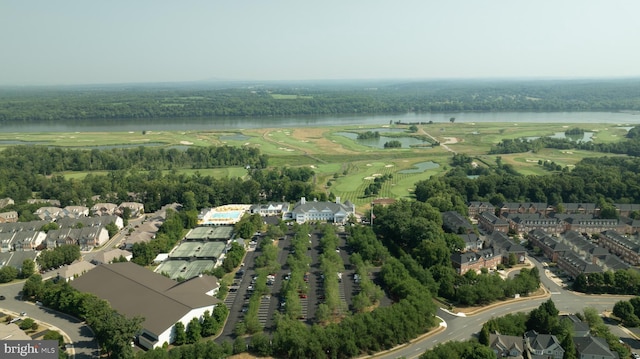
<point x="241" y="290"/>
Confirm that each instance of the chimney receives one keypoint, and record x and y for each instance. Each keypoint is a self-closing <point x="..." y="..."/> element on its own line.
<point x="338" y="199"/>
<point x="303" y="200"/>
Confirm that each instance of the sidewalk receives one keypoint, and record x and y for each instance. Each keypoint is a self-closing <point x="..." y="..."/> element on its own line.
<point x="43" y="328"/>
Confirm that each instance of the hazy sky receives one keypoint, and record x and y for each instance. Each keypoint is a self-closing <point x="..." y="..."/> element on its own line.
<point x="85" y="42"/>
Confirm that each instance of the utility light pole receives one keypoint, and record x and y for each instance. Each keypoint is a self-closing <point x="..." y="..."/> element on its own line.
<point x="372" y="216"/>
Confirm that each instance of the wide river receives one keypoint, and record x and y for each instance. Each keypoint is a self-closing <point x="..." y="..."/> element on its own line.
<point x="238" y="123"/>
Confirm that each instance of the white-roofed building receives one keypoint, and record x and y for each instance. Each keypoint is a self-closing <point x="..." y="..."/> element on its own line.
<point x="336" y="212"/>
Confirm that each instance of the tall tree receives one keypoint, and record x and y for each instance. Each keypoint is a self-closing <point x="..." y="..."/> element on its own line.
<point x="28" y="268"/>
<point x="33" y="287"/>
<point x="194" y="330"/>
<point x="179" y="334"/>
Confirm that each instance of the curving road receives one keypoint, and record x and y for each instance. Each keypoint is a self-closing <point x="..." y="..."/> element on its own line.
<point x="80" y="335"/>
<point x="462" y="328"/>
<point x="78" y="332"/>
<point x="456" y="327"/>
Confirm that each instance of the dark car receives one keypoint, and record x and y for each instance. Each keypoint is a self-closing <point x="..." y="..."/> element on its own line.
<point x="2" y="297"/>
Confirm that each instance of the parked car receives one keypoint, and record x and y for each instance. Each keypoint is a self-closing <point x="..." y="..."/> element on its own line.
<point x="2" y="297"/>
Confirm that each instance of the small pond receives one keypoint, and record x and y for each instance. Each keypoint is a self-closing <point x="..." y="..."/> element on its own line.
<point x="380" y="141"/>
<point x="421" y="167"/>
<point x="235" y="137"/>
<point x="388" y="129"/>
<point x="585" y="137"/>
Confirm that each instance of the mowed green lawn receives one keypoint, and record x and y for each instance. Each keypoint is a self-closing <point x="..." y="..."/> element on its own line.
<point x="331" y="155"/>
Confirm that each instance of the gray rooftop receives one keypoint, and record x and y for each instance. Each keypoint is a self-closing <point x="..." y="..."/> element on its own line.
<point x="133" y="290"/>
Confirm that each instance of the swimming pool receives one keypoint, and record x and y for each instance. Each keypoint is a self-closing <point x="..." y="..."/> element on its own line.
<point x="225" y="215"/>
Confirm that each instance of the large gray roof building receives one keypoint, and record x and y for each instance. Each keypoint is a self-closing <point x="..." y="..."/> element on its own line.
<point x="135" y="291"/>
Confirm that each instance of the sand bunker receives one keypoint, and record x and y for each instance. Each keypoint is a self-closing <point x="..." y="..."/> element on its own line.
<point x="369" y="165"/>
<point x="450" y="140"/>
<point x="387" y="166"/>
<point x="186" y="143"/>
<point x="369" y="178"/>
<point x="376" y="175"/>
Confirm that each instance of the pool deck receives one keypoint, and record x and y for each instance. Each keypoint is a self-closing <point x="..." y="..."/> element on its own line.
<point x="224" y="215"/>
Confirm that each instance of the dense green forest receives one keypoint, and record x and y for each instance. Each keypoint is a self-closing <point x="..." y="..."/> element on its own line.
<point x="302" y="98"/>
<point x="28" y="169"/>
<point x="603" y="180"/>
<point x="45" y="160"/>
<point x="412" y="231"/>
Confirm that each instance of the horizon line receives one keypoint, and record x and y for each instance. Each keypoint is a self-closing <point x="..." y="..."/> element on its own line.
<point x="334" y="80"/>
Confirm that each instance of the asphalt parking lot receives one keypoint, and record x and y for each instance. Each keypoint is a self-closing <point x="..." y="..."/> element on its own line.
<point x="238" y="298"/>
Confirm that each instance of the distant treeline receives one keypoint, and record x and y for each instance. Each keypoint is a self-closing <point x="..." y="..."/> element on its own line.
<point x="276" y="99"/>
<point x="45" y="160"/>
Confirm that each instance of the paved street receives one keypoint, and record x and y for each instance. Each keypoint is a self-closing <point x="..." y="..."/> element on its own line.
<point x="84" y="345"/>
<point x="457" y="327"/>
<point x="79" y="333"/>
<point x="463" y="328"/>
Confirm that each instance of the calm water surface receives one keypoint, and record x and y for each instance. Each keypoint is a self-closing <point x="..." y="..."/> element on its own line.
<point x="215" y="124"/>
<point x="421" y="167"/>
<point x="380" y="141"/>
